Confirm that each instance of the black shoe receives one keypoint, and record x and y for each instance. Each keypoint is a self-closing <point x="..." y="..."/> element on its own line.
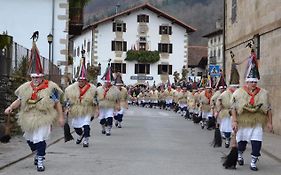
<point x="240" y="162"/>
<point x="116" y="124"/>
<point x="40" y="168"/>
<point x="226" y="145"/>
<point x="254" y="168"/>
<point x="108" y="134"/>
<point x="103" y="131"/>
<point x="79" y="140"/>
<point x="85" y="145"/>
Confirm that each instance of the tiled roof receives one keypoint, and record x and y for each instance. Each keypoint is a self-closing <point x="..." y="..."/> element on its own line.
<point x="188" y="28"/>
<point x="196" y="54"/>
<point x="214" y="33"/>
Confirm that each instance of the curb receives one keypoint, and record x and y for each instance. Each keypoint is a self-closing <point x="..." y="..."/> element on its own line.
<point x="28" y="155"/>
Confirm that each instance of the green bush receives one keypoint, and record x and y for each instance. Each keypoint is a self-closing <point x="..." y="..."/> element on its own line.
<point x="143" y="56"/>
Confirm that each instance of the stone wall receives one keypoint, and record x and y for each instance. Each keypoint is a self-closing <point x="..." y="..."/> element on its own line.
<point x="263" y="18"/>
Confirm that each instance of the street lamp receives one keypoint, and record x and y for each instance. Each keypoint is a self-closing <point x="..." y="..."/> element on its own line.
<point x="50" y="41"/>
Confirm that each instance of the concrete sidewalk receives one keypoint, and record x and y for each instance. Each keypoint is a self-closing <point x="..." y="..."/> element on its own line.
<point x="17" y="149"/>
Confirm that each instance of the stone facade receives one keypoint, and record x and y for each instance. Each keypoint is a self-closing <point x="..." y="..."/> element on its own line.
<point x="261" y="21"/>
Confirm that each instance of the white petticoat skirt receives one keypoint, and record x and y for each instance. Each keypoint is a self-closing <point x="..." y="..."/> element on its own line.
<point x="248" y="134"/>
<point x="79" y="122"/>
<point x="39" y="135"/>
<point x="104" y="113"/>
<point x="226" y="124"/>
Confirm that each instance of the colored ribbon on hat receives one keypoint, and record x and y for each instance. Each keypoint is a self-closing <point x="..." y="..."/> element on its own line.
<point x="36" y="89"/>
<point x="83" y="90"/>
<point x="252" y="94"/>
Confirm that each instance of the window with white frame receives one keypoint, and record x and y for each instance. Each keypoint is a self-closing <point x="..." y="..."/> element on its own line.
<point x="142" y="68"/>
<point x="119" y="26"/>
<point x="118" y="45"/>
<point x="234" y="11"/>
<point x="118" y="67"/>
<point x="165" y="47"/>
<point x="165" y="30"/>
<point x="143" y="18"/>
<point x="165" y="68"/>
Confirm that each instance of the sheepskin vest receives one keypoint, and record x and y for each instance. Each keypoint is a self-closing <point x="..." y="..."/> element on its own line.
<point x="80" y="105"/>
<point x="176" y="96"/>
<point x="249" y="115"/>
<point x="183" y="97"/>
<point x="225" y="105"/>
<point x="108" y="99"/>
<point x="153" y="95"/>
<point x="214" y="98"/>
<point x="204" y="101"/>
<point x="123" y="97"/>
<point x="168" y="94"/>
<point x="35" y="115"/>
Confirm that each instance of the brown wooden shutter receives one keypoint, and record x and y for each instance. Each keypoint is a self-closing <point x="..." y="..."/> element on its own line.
<point x="170" y="48"/>
<point x="147" y="68"/>
<point x="112" y="45"/>
<point x="124" y="45"/>
<point x="136" y="68"/>
<point x="124" y="27"/>
<point x="170" y="30"/>
<point x="159" y="69"/>
<point x="123" y="68"/>
<point x="114" y="27"/>
<point x="170" y="69"/>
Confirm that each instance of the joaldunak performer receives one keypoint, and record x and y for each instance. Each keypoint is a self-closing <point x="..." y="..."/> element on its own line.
<point x="81" y="98"/>
<point x="40" y="107"/>
<point x="251" y="112"/>
<point x="123" y="100"/>
<point x="205" y="99"/>
<point x="224" y="110"/>
<point x="108" y="101"/>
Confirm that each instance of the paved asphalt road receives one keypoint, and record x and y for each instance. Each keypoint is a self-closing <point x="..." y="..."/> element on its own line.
<point x="151" y="142"/>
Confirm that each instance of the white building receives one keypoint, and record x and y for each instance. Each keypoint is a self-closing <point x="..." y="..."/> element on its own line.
<point x="21" y="18"/>
<point x="215" y="47"/>
<point x="140" y="28"/>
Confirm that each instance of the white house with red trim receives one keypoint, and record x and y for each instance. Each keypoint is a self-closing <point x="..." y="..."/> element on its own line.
<point x="143" y="27"/>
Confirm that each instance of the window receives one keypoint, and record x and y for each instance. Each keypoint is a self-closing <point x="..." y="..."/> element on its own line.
<point x="215" y="53"/>
<point x="142" y="46"/>
<point x="162" y="69"/>
<point x="256" y="45"/>
<point x="234" y="11"/>
<point x="119" y="26"/>
<point x="166" y="48"/>
<point x="142" y="39"/>
<point x="118" y="67"/>
<point x="143" y="18"/>
<point x="142" y="43"/>
<point x="118" y="45"/>
<point x="142" y="68"/>
<point x="165" y="30"/>
<point x="88" y="46"/>
<point x="219" y="52"/>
